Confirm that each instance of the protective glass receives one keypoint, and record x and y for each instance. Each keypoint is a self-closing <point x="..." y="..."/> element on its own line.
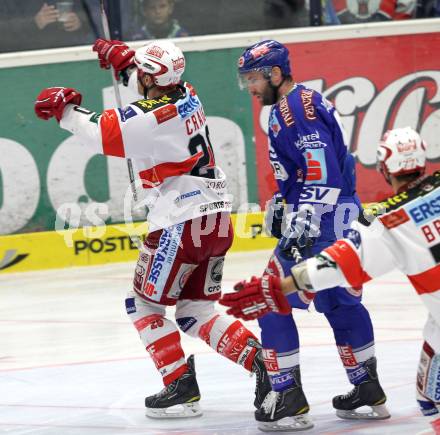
<point x="253" y="77"/>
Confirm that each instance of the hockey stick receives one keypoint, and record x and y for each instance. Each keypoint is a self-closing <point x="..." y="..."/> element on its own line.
<point x="106" y="27"/>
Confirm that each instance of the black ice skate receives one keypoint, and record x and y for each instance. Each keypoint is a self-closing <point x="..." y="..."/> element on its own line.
<point x="286" y="410"/>
<point x="262" y="385"/>
<point x="180" y="399"/>
<point x="368" y="393"/>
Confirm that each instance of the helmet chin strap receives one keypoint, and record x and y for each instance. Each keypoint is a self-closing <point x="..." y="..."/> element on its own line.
<point x="147" y="89"/>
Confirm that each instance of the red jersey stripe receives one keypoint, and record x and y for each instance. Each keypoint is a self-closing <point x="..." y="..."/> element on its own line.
<point x="112" y="143"/>
<point x="426" y="282"/>
<point x="157" y="174"/>
<point x="175" y="375"/>
<point x="348" y="261"/>
<point x="146" y="321"/>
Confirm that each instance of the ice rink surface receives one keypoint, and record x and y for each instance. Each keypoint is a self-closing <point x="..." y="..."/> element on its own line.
<point x="71" y="363"/>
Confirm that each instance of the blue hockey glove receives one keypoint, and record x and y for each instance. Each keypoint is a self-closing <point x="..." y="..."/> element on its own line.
<point x="273" y="218"/>
<point x="302" y="230"/>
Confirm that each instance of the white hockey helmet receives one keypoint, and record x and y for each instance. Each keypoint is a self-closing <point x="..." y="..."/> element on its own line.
<point x="401" y="151"/>
<point x="161" y="59"/>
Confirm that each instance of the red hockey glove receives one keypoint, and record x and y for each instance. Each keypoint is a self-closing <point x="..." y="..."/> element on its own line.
<point x="113" y="53"/>
<point x="52" y="101"/>
<point x="256" y="298"/>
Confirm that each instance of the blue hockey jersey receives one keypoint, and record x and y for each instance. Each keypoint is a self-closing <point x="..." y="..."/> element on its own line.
<point x="310" y="160"/>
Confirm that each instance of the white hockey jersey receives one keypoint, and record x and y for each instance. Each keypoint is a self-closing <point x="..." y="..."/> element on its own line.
<point x="168" y="140"/>
<point x="406" y="236"/>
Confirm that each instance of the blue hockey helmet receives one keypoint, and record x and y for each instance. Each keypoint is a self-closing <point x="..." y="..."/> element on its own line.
<point x="263" y="56"/>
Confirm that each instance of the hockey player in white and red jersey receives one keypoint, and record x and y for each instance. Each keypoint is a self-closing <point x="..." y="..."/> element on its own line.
<point x="406" y="233"/>
<point x="166" y="134"/>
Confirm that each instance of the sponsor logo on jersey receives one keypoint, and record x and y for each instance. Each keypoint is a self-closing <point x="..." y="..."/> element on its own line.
<point x="309" y="108"/>
<point x="187" y="195"/>
<point x="163" y="261"/>
<point x="130" y="305"/>
<point x="11" y="258"/>
<point x="186" y="322"/>
<point x="148" y="105"/>
<point x="285" y="112"/>
<point x="395" y="218"/>
<point x="274" y="124"/>
<point x="316" y="166"/>
<point x="165" y="113"/>
<point x="188" y="106"/>
<point x="126" y="113"/>
<point x="425" y="209"/>
<point x="212" y="289"/>
<point x="215" y="185"/>
<point x="217" y="270"/>
<point x="155" y="51"/>
<point x="278" y="170"/>
<point x="310" y="141"/>
<point x="320" y="194"/>
<point x="217" y="205"/>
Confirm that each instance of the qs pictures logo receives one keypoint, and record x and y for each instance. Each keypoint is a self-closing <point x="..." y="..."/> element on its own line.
<point x="11" y="258"/>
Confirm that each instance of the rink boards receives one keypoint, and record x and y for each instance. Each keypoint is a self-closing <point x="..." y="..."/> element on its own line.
<point x="106" y="244"/>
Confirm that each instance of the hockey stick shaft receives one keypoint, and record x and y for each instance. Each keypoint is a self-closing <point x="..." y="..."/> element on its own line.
<point x="107" y="35"/>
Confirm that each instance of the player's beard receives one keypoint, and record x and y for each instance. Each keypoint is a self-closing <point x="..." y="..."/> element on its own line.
<point x="270" y="95"/>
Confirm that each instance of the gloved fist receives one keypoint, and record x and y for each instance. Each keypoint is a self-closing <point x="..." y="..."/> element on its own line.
<point x="113" y="53"/>
<point x="273" y="218"/>
<point x="256" y="298"/>
<point x="302" y="230"/>
<point x="52" y="101"/>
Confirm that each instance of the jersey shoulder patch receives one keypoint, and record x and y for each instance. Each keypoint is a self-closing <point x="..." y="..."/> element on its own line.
<point x="154" y="103"/>
<point x="396" y="201"/>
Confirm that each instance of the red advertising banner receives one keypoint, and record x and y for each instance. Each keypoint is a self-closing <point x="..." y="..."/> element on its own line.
<point x="376" y="84"/>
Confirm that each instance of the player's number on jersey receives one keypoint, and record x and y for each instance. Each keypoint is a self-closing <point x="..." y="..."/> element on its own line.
<point x="204" y="167"/>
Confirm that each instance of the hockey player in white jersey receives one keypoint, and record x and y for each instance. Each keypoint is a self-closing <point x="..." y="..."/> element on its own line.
<point x="405" y="235"/>
<point x="167" y="135"/>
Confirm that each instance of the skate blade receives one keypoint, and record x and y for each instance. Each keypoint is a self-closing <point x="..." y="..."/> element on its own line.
<point x="287" y="424"/>
<point x="185" y="410"/>
<point x="378" y="412"/>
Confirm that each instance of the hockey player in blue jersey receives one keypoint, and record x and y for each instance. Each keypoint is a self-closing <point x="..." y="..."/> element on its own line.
<point x="315" y="204"/>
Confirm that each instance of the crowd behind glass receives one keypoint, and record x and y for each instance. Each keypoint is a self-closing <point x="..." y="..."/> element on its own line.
<point x="40" y="24"/>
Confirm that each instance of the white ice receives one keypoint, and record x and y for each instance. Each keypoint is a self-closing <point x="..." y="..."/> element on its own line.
<point x="71" y="362"/>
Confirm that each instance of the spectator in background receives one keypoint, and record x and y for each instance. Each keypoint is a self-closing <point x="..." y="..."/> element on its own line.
<point x="428" y="9"/>
<point x="158" y="21"/>
<point x="363" y="11"/>
<point x="285" y="14"/>
<point x="35" y="25"/>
